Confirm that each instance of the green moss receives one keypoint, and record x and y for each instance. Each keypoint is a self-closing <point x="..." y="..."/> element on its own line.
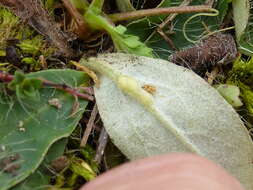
<point x="49" y="4"/>
<point x="243" y="71"/>
<point x="35" y="46"/>
<point x="9" y="26"/>
<point x="30" y="43"/>
<point x="81" y="168"/>
<point x="247" y="96"/>
<point x="89" y="154"/>
<point x="242" y="76"/>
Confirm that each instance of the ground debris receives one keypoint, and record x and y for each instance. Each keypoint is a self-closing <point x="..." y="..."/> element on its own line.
<point x="32" y="12"/>
<point x="211" y="51"/>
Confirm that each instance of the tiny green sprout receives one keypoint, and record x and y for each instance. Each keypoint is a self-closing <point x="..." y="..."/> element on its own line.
<point x="35" y="46"/>
<point x="82" y="168"/>
<point x="31" y="46"/>
<point x="25" y="87"/>
<point x="242" y="76"/>
<point x="230" y="93"/>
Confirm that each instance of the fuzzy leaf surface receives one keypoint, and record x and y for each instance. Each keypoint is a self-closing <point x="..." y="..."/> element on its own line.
<point x="185" y="113"/>
<point x="29" y="127"/>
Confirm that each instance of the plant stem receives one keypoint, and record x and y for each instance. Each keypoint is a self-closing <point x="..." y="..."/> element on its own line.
<point x="158" y="11"/>
<point x="89" y="126"/>
<point x="5" y="77"/>
<point x="68" y="89"/>
<point x="83" y="29"/>
<point x="82" y="5"/>
<point x="96" y="6"/>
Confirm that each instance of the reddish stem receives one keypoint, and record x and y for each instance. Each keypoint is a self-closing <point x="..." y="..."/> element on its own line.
<point x="5" y="77"/>
<point x="116" y="17"/>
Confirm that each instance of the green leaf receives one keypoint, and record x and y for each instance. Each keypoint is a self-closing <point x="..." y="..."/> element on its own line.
<point x="29" y="60"/>
<point x="230" y="93"/>
<point x="151" y="106"/>
<point x="19" y="77"/>
<point x="96" y="6"/>
<point x="40" y="178"/>
<point x="123" y="42"/>
<point x="241" y="16"/>
<point x="28" y="128"/>
<point x="129" y="43"/>
<point x="25" y="87"/>
<point x="125" y="5"/>
<point x="82" y="168"/>
<point x="243" y="28"/>
<point x="145" y="28"/>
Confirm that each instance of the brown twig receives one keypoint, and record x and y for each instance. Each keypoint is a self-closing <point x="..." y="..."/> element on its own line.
<point x="172" y="16"/>
<point x="83" y="30"/>
<point x="68" y="89"/>
<point x="88" y="72"/>
<point x="166" y="38"/>
<point x="212" y="75"/>
<point x="102" y="142"/>
<point x="168" y="20"/>
<point x="158" y="11"/>
<point x="5" y="77"/>
<point x="89" y="126"/>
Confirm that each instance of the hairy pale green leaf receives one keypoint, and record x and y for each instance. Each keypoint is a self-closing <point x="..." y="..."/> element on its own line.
<point x="182" y="113"/>
<point x="28" y="128"/>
